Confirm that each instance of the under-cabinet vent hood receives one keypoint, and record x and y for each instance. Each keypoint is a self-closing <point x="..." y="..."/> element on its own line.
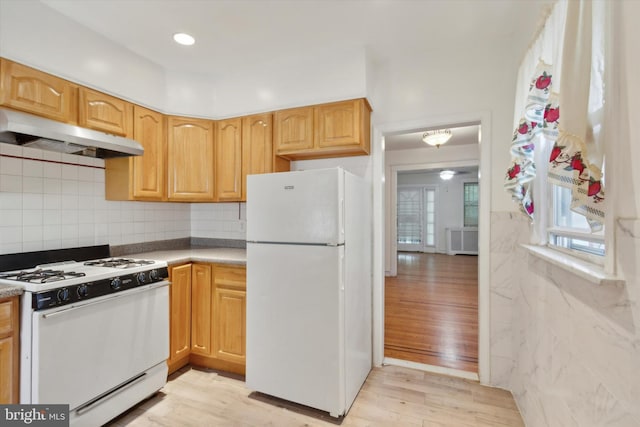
<point x="28" y="130"/>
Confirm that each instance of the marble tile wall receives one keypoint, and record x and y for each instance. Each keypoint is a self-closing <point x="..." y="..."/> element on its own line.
<point x="576" y="345"/>
<point x="507" y="230"/>
<point x="51" y="200"/>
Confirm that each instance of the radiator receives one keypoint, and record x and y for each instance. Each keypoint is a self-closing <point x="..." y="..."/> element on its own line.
<point x="462" y="240"/>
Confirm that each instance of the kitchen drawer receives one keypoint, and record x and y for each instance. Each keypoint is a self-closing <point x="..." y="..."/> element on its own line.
<point x="230" y="276"/>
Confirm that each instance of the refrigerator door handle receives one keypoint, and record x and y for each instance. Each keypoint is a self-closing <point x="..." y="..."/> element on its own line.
<point x="342" y="218"/>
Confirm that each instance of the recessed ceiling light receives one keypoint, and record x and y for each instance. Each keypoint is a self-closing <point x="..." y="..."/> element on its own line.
<point x="184" y="39"/>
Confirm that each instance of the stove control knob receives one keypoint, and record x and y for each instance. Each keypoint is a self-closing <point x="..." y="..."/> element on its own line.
<point x="83" y="291"/>
<point x="116" y="283"/>
<point x="142" y="278"/>
<point x="63" y="295"/>
<point x="154" y="275"/>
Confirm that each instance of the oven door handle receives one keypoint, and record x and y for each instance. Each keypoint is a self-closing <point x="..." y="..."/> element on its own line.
<point x="110" y="298"/>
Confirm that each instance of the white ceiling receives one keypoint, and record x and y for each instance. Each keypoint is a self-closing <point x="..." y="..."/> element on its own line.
<point x="234" y="34"/>
<point x="461" y="135"/>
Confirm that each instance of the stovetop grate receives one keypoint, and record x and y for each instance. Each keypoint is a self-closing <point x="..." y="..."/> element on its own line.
<point x="41" y="276"/>
<point x="119" y="262"/>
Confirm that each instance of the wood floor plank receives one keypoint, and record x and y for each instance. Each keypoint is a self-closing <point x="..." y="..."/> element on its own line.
<point x="431" y="310"/>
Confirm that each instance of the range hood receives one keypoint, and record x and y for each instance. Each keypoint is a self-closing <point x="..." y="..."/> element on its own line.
<point x="28" y="130"/>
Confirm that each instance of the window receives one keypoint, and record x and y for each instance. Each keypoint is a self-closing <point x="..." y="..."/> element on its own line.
<point x="409" y="216"/>
<point x="570" y="231"/>
<point x="416" y="218"/>
<point x="470" y="204"/>
<point x="430" y="217"/>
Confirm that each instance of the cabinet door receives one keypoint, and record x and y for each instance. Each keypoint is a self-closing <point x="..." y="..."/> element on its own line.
<point x="293" y="130"/>
<point x="190" y="160"/>
<point x="180" y="320"/>
<point x="105" y="113"/>
<point x="229" y="313"/>
<point x="201" y="299"/>
<point x="229" y="340"/>
<point x="342" y="124"/>
<point x="228" y="165"/>
<point x="9" y="350"/>
<point x="257" y="148"/>
<point x="33" y="91"/>
<point x="6" y="371"/>
<point x="148" y="169"/>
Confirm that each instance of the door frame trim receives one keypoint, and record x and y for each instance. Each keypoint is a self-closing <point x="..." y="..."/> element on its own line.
<point x="484" y="228"/>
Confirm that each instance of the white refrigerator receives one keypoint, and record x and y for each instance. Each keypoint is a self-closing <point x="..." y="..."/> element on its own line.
<point x="309" y="287"/>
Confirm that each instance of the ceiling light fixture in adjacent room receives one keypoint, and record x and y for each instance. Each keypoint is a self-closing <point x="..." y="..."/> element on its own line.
<point x="446" y="174"/>
<point x="437" y="137"/>
<point x="184" y="39"/>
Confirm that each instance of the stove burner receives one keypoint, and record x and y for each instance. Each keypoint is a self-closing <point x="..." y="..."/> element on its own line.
<point x="119" y="262"/>
<point x="41" y="276"/>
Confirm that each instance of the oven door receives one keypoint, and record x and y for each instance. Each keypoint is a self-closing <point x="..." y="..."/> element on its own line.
<point x="84" y="350"/>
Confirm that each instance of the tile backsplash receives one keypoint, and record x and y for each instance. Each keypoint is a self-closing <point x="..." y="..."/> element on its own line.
<point x="52" y="200"/>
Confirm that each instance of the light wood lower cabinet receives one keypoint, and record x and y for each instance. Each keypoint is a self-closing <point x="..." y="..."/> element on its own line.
<point x="229" y="314"/>
<point x="9" y="350"/>
<point x="201" y="309"/>
<point x="180" y="316"/>
<point x="215" y="337"/>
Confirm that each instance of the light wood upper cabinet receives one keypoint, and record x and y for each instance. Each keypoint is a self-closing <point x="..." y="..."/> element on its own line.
<point x="190" y="166"/>
<point x="228" y="160"/>
<point x="105" y="113"/>
<point x="229" y="314"/>
<point x="149" y="169"/>
<point x="26" y="89"/>
<point x="9" y="350"/>
<point x="342" y="124"/>
<point x="180" y="316"/>
<point x="293" y="130"/>
<point x="258" y="155"/>
<point x="140" y="177"/>
<point x="201" y="299"/>
<point x="337" y="129"/>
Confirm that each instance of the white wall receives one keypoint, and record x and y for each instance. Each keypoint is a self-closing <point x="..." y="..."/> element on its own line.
<point x="441" y="85"/>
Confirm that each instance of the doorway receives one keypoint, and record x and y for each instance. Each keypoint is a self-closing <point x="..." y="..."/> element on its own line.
<point x="431" y="288"/>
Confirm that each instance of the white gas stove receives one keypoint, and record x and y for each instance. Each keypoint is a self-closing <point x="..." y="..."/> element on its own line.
<point x="94" y="333"/>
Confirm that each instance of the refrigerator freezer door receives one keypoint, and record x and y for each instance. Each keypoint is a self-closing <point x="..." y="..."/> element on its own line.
<point x="296" y="207"/>
<point x="295" y="324"/>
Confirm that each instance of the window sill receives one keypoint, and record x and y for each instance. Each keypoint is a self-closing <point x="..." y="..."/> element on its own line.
<point x="590" y="272"/>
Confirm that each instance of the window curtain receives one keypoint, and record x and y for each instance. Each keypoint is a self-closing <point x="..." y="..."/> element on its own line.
<point x="562" y="71"/>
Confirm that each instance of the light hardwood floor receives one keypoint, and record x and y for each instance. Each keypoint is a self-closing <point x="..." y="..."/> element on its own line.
<point x="391" y="397"/>
<point x="431" y="310"/>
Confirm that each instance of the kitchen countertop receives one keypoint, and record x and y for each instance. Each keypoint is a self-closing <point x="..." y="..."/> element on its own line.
<point x="213" y="255"/>
<point x="7" y="291"/>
